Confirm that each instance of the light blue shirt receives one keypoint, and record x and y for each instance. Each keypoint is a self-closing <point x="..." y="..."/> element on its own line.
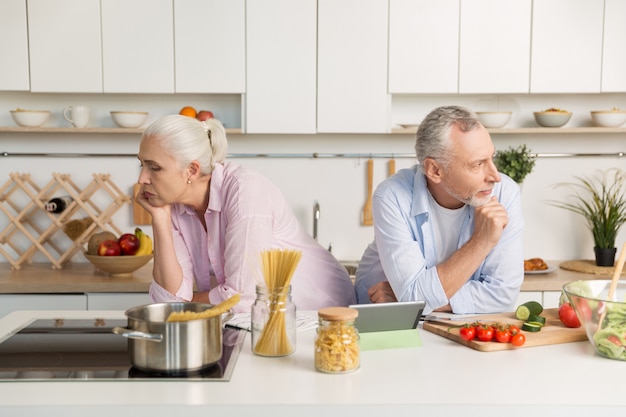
<point x="404" y="251"/>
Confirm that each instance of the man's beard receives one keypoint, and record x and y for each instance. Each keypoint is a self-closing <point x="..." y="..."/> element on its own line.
<point x="466" y="198"/>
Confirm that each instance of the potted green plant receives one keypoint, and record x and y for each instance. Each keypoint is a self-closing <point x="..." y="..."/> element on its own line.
<point x="517" y="163"/>
<point x="600" y="199"/>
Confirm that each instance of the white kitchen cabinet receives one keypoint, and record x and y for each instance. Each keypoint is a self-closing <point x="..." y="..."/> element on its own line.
<point x="116" y="301"/>
<point x="281" y="66"/>
<point x="525" y="296"/>
<point x="614" y="47"/>
<point x="551" y="299"/>
<point x="65" y="46"/>
<point x="494" y="51"/>
<point x="567" y="46"/>
<point x="14" y="302"/>
<point x="138" y="46"/>
<point x="352" y="66"/>
<point x="210" y="40"/>
<point x="423" y="46"/>
<point x="13" y="46"/>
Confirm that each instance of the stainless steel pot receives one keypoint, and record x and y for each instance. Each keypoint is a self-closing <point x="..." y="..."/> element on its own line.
<point x="156" y="345"/>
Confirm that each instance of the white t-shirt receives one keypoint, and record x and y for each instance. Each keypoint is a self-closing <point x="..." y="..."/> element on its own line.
<point x="446" y="224"/>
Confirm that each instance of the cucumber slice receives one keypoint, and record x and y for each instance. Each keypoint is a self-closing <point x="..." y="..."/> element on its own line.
<point x="531" y="327"/>
<point x="529" y="308"/>
<point x="537" y="319"/>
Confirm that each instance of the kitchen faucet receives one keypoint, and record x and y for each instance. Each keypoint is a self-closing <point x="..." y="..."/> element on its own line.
<point x="316" y="217"/>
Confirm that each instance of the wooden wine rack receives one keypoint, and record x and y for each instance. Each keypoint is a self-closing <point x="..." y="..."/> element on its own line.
<point x="23" y="202"/>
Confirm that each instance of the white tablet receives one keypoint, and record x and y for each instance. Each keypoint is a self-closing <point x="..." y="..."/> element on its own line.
<point x="388" y="316"/>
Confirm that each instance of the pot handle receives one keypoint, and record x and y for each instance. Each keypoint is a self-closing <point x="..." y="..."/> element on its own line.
<point x="134" y="334"/>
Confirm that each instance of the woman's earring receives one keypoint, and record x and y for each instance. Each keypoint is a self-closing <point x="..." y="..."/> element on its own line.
<point x="188" y="181"/>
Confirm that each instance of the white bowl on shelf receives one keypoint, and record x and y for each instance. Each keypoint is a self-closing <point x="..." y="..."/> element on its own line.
<point x="608" y="118"/>
<point x="494" y="119"/>
<point x="552" y="118"/>
<point x="129" y="119"/>
<point x="30" y="118"/>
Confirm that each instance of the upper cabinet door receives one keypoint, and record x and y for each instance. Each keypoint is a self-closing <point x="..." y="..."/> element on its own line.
<point x="614" y="56"/>
<point x="64" y="42"/>
<point x="352" y="66"/>
<point x="566" y="46"/>
<point x="13" y="46"/>
<point x="495" y="46"/>
<point x="210" y="39"/>
<point x="138" y="46"/>
<point x="423" y="46"/>
<point x="281" y="57"/>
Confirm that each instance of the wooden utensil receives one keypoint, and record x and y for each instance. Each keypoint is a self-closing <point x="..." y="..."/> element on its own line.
<point x="140" y="215"/>
<point x="392" y="167"/>
<point x="368" y="219"/>
<point x="616" y="276"/>
<point x="617" y="273"/>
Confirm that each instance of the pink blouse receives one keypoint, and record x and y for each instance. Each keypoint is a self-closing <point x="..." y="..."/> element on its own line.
<point x="246" y="215"/>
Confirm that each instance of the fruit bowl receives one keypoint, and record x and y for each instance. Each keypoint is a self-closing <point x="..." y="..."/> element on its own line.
<point x="604" y="321"/>
<point x="129" y="119"/>
<point x="30" y="118"/>
<point x="552" y="117"/>
<point x="608" y="118"/>
<point x="119" y="265"/>
<point x="494" y="119"/>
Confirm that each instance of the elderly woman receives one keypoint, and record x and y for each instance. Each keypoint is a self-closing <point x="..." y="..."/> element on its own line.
<point x="212" y="219"/>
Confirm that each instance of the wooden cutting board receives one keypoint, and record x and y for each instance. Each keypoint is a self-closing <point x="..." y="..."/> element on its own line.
<point x="140" y="215"/>
<point x="553" y="332"/>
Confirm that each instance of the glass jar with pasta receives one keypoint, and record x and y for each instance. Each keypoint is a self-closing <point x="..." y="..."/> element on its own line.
<point x="337" y="341"/>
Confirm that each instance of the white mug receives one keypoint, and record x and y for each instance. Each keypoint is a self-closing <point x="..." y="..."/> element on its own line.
<point x="77" y="115"/>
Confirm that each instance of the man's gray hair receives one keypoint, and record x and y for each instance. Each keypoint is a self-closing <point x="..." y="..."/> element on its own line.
<point x="433" y="135"/>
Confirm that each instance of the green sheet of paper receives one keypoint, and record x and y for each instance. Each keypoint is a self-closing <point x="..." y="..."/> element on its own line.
<point x="392" y="339"/>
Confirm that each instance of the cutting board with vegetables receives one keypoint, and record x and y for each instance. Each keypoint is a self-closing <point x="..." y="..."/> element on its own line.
<point x="553" y="332"/>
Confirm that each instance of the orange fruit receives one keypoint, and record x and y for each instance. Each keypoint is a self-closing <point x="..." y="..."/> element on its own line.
<point x="188" y="111"/>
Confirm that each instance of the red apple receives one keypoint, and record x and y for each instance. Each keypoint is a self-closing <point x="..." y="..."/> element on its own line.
<point x="204" y="115"/>
<point x="129" y="243"/>
<point x="109" y="248"/>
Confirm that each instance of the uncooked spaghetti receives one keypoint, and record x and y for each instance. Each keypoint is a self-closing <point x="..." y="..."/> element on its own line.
<point x="278" y="268"/>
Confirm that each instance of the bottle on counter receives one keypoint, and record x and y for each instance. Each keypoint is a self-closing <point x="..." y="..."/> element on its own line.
<point x="337" y="348"/>
<point x="58" y="204"/>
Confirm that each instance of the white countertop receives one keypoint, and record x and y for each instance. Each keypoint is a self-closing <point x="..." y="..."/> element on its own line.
<point x="440" y="378"/>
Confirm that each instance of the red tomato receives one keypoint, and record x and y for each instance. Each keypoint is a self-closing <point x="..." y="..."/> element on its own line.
<point x="513" y="329"/>
<point x="518" y="339"/>
<point x="503" y="335"/>
<point x="615" y="340"/>
<point x="485" y="333"/>
<point x="467" y="332"/>
<point x="568" y="315"/>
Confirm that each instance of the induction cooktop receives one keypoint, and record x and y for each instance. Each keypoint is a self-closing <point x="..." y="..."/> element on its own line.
<point x="86" y="349"/>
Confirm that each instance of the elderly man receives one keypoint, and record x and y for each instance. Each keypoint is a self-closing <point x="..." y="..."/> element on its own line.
<point x="448" y="230"/>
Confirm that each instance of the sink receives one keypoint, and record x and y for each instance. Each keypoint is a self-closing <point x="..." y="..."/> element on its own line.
<point x="351" y="268"/>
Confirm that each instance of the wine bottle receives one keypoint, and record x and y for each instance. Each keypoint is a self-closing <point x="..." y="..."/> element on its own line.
<point x="58" y="204"/>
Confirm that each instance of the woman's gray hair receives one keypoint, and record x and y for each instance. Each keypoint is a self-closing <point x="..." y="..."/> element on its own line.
<point x="187" y="139"/>
<point x="433" y="134"/>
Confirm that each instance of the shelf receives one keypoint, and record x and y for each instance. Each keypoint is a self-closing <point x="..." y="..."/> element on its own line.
<point x="539" y="130"/>
<point x="107" y="130"/>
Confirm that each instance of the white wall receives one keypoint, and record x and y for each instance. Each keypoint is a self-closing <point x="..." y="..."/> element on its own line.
<point x="338" y="184"/>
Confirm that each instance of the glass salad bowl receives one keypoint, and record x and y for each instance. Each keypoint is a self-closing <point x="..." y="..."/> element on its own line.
<point x="604" y="320"/>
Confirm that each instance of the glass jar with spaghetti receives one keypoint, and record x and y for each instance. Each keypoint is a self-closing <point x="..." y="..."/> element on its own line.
<point x="273" y="322"/>
<point x="337" y="341"/>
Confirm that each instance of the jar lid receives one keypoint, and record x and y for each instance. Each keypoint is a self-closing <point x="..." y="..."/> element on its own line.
<point x="338" y="313"/>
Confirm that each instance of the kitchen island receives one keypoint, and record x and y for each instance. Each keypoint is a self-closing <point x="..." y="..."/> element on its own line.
<point x="441" y="378"/>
